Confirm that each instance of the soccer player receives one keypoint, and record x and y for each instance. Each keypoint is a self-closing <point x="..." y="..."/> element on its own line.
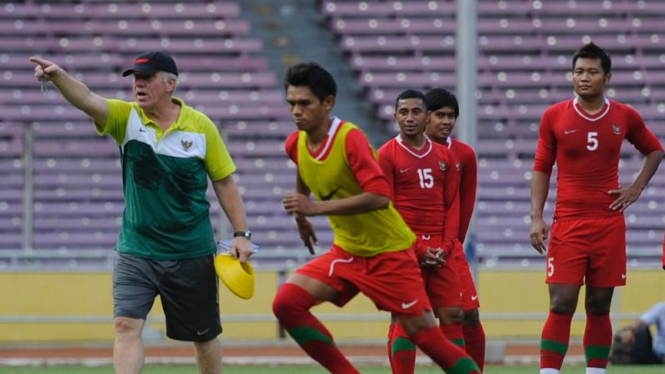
<point x="371" y="252"/>
<point x="443" y="112"/>
<point x="588" y="244"/>
<point x="425" y="185"/>
<point x="166" y="245"/>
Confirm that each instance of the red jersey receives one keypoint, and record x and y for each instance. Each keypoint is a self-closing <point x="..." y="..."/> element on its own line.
<point x="468" y="182"/>
<point x="425" y="184"/>
<point x="587" y="148"/>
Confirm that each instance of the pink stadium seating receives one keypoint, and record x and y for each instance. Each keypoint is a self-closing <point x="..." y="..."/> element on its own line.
<point x="523" y="61"/>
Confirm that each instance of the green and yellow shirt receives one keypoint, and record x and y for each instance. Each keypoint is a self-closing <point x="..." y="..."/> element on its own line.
<point x="166" y="213"/>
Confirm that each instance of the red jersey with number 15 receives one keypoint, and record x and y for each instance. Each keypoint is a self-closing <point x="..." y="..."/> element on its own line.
<point x="425" y="187"/>
<point x="586" y="149"/>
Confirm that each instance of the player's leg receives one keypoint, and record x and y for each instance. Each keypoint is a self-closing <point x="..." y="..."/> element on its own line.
<point x="128" y="351"/>
<point x="189" y="290"/>
<point x="556" y="332"/>
<point x="133" y="295"/>
<point x="607" y="269"/>
<point x="474" y="337"/>
<point x="598" y="329"/>
<point x="442" y="285"/>
<point x="450" y="321"/>
<point x="391" y="337"/>
<point x="299" y="294"/>
<point x="472" y="328"/>
<point x="567" y="259"/>
<point x="425" y="334"/>
<point x="401" y="351"/>
<point x="444" y="289"/>
<point x="209" y="356"/>
<point x="394" y="282"/>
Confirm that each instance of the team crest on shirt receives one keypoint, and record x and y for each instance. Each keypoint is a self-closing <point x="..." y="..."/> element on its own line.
<point x="186" y="144"/>
<point x="616" y="129"/>
<point x="443" y="166"/>
<point x="458" y="166"/>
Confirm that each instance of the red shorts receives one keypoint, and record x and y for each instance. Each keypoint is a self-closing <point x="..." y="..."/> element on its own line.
<point x="441" y="283"/>
<point x="391" y="280"/>
<point x="467" y="285"/>
<point x="592" y="248"/>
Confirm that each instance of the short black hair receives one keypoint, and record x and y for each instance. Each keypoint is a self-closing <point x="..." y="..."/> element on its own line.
<point x="438" y="98"/>
<point x="313" y="76"/>
<point x="411" y="94"/>
<point x="592" y="50"/>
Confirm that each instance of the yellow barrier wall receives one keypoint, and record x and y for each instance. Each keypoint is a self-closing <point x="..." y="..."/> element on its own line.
<point x="89" y="295"/>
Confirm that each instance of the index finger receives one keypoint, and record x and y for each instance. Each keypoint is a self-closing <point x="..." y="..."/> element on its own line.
<point x="40" y="61"/>
<point x="537" y="244"/>
<point x="308" y="244"/>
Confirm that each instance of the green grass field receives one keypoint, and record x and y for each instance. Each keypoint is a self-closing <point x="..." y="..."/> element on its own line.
<point x="163" y="369"/>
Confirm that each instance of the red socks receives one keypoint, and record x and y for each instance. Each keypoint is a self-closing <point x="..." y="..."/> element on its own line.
<point x="597" y="340"/>
<point x="554" y="340"/>
<point x="291" y="307"/>
<point x="474" y="337"/>
<point x="401" y="352"/>
<point x="449" y="357"/>
<point x="391" y="330"/>
<point x="454" y="333"/>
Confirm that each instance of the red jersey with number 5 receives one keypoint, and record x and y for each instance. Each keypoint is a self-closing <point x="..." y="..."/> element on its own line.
<point x="586" y="149"/>
<point x="425" y="187"/>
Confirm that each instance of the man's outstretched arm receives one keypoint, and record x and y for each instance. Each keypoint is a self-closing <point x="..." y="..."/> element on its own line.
<point x="73" y="90"/>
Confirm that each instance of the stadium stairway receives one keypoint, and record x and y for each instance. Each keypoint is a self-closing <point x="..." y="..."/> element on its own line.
<point x="311" y="40"/>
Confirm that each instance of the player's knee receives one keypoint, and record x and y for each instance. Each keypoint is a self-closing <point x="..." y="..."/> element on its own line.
<point x="563" y="303"/>
<point x="290" y="299"/>
<point x="211" y="345"/>
<point x="450" y="315"/>
<point x="280" y="306"/>
<point x="598" y="301"/>
<point x="471" y="317"/>
<point x="562" y="307"/>
<point x="128" y="327"/>
<point x="597" y="306"/>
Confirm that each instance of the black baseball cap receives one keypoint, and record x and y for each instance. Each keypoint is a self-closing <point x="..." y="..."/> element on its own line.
<point x="152" y="62"/>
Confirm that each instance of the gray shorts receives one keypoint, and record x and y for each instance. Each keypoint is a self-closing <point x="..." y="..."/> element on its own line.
<point x="188" y="290"/>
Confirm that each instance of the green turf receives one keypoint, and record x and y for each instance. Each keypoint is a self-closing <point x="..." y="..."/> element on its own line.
<point x="154" y="369"/>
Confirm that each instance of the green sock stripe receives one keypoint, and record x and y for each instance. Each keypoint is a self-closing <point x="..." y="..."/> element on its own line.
<point x="464" y="365"/>
<point x="596" y="351"/>
<point x="402" y="344"/>
<point x="304" y="334"/>
<point x="551" y="345"/>
<point x="458" y="342"/>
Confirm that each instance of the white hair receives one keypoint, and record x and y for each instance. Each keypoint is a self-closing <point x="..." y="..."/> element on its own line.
<point x="166" y="76"/>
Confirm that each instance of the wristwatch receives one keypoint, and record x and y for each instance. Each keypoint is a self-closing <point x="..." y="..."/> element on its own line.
<point x="245" y="234"/>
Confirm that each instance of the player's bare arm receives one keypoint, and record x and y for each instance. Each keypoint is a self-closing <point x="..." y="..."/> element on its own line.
<point x="628" y="195"/>
<point x="305" y="227"/>
<point x="540" y="184"/>
<point x="296" y="203"/>
<point x="234" y="208"/>
<point x="74" y="91"/>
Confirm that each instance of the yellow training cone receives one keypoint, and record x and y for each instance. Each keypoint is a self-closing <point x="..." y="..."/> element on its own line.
<point x="238" y="277"/>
